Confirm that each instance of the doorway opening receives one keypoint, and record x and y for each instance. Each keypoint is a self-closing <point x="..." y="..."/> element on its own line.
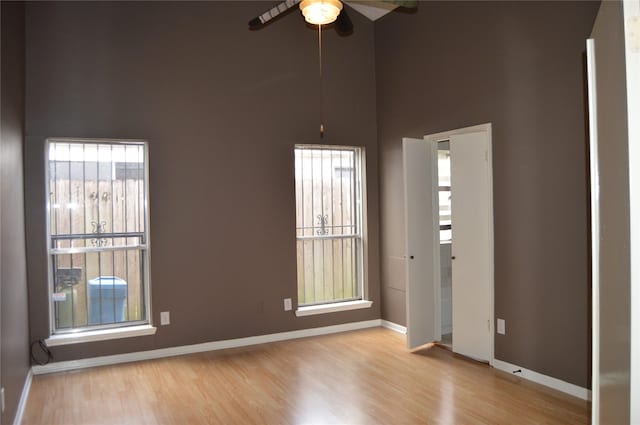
<point x="444" y="208"/>
<point x="449" y="241"/>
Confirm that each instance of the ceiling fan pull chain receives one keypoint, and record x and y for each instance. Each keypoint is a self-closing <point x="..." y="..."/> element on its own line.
<point x="320" y="62"/>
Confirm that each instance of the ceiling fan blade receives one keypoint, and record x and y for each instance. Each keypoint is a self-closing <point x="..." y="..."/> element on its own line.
<point x="410" y="4"/>
<point x="343" y="24"/>
<point x="260" y="21"/>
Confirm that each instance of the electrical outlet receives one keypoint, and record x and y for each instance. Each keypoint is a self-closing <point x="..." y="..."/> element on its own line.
<point x="287" y="304"/>
<point x="165" y="319"/>
<point x="2" y="398"/>
<point x="501" y="327"/>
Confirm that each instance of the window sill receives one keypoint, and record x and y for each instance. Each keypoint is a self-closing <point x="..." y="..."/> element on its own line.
<point x="100" y="335"/>
<point x="332" y="308"/>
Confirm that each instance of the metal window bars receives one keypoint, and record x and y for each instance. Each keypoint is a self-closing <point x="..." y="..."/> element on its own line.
<point x="98" y="233"/>
<point x="328" y="223"/>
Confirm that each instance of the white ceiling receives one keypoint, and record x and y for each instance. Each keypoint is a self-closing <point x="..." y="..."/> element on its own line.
<point x="371" y="9"/>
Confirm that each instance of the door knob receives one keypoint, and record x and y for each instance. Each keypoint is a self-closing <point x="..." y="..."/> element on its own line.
<point x="453" y="257"/>
<point x="411" y="257"/>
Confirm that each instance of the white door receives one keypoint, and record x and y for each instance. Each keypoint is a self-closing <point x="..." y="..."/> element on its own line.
<point x="472" y="227"/>
<point x="422" y="241"/>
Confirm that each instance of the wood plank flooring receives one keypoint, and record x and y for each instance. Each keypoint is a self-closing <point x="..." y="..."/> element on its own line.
<point x="360" y="377"/>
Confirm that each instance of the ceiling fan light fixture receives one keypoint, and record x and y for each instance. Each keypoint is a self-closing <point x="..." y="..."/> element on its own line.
<point x="320" y="12"/>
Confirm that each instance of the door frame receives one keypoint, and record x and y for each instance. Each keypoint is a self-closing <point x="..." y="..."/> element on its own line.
<point x="595" y="233"/>
<point x="444" y="136"/>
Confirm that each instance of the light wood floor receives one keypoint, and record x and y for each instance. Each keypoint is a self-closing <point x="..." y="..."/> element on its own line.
<point x="361" y="377"/>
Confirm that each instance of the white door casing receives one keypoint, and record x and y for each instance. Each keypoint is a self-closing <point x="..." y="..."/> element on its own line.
<point x="474" y="300"/>
<point x="475" y="336"/>
<point x="595" y="235"/>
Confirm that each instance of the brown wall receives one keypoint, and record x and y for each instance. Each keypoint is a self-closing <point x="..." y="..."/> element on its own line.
<point x="519" y="66"/>
<point x="14" y="340"/>
<point x="222" y="108"/>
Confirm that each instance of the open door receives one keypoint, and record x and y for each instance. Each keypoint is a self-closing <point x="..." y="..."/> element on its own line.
<point x="422" y="241"/>
<point x="471" y="251"/>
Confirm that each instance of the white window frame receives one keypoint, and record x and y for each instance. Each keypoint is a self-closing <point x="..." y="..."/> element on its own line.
<point x="361" y="237"/>
<point x="105" y="331"/>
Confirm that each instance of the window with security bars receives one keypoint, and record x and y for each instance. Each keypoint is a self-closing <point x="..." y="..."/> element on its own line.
<point x="328" y="224"/>
<point x="444" y="190"/>
<point x="97" y="233"/>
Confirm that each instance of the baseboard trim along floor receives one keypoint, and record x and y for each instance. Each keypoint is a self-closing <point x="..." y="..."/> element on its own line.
<point x="199" y="348"/>
<point x="362" y="376"/>
<point x="527" y="374"/>
<point x="24" y="396"/>
<point x="547" y="381"/>
<point x="394" y="327"/>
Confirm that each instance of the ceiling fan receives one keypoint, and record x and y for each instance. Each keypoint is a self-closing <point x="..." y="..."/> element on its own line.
<point x="322" y="12"/>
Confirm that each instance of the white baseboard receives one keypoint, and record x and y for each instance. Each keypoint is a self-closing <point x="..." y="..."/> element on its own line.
<point x="530" y="375"/>
<point x="394" y="326"/>
<point x="22" y="404"/>
<point x="547" y="381"/>
<point x="199" y="348"/>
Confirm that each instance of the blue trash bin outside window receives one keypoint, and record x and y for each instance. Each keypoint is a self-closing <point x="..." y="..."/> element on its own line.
<point x="107" y="298"/>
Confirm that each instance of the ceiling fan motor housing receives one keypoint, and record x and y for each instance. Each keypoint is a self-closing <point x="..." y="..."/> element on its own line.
<point x="320" y="12"/>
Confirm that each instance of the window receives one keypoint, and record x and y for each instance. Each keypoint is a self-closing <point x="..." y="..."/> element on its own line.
<point x="444" y="183"/>
<point x="329" y="226"/>
<point x="98" y="234"/>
